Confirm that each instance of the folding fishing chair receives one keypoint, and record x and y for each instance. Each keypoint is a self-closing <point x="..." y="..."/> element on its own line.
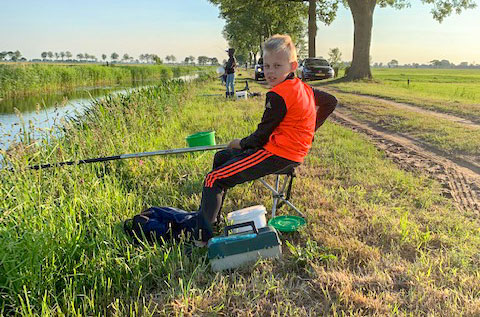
<point x="282" y="190"/>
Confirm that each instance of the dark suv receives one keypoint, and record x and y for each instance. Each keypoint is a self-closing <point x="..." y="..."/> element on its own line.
<point x="259" y="69"/>
<point x="315" y="68"/>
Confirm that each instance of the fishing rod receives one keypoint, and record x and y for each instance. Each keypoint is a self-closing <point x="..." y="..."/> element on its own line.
<point x="132" y="155"/>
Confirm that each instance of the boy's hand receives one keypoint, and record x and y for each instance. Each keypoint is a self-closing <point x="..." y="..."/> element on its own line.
<point x="234" y="144"/>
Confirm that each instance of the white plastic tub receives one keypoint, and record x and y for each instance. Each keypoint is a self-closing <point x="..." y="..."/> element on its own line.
<point x="241" y="94"/>
<point x="253" y="213"/>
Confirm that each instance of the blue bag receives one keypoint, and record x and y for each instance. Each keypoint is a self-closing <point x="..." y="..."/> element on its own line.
<point x="160" y="224"/>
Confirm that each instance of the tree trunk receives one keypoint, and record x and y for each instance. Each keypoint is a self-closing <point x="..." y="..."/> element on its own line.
<point x="312" y="27"/>
<point x="362" y="12"/>
<point x="261" y="46"/>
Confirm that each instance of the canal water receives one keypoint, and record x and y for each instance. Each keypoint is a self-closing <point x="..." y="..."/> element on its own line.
<point x="47" y="111"/>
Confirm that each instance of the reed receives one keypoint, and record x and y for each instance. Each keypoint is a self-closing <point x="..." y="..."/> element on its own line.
<point x="25" y="79"/>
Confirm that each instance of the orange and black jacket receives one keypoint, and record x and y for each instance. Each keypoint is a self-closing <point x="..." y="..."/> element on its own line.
<point x="293" y="111"/>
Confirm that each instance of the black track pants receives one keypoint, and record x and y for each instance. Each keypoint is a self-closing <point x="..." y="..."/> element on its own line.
<point x="232" y="167"/>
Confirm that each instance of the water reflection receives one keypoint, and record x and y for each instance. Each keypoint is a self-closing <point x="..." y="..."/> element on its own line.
<point x="46" y="111"/>
<point x="47" y="100"/>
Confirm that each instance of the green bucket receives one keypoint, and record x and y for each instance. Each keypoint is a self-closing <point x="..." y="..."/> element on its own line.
<point x="201" y="139"/>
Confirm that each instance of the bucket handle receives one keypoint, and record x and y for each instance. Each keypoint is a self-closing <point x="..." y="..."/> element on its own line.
<point x="241" y="225"/>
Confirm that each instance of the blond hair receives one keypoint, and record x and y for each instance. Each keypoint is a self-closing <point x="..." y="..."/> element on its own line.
<point x="278" y="43"/>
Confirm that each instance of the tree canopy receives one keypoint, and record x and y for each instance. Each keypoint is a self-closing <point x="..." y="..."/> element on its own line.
<point x="249" y="22"/>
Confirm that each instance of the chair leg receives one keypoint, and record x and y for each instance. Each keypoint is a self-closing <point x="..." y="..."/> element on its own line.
<point x="275" y="197"/>
<point x="279" y="194"/>
<point x="293" y="207"/>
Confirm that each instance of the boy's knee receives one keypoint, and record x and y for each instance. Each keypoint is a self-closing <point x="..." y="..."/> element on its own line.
<point x="218" y="159"/>
<point x="221" y="157"/>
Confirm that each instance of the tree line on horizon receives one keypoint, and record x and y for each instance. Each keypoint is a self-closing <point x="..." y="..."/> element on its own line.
<point x="14" y="56"/>
<point x="334" y="58"/>
<point x="67" y="56"/>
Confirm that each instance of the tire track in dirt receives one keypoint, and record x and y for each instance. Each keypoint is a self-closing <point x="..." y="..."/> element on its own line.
<point x="459" y="178"/>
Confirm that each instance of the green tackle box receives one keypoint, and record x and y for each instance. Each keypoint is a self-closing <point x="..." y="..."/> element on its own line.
<point x="231" y="251"/>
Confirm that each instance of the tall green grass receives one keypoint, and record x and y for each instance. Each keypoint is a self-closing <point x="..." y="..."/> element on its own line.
<point x="379" y="241"/>
<point x="24" y="79"/>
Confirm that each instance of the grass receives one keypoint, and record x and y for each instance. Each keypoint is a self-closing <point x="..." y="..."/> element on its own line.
<point x="454" y="91"/>
<point x="379" y="241"/>
<point x="25" y="79"/>
<point x="450" y="137"/>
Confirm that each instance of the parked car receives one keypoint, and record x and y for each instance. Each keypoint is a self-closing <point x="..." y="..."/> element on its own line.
<point x="259" y="69"/>
<point x="314" y="68"/>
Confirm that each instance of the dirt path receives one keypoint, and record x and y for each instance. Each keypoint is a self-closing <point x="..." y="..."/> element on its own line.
<point x="460" y="178"/>
<point x="400" y="105"/>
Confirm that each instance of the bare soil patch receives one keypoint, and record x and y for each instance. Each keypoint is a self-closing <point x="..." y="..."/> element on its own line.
<point x="459" y="176"/>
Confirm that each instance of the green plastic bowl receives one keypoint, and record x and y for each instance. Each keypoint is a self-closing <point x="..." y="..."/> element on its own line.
<point x="201" y="139"/>
<point x="287" y="223"/>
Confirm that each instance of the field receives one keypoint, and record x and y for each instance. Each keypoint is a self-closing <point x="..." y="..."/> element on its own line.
<point x="455" y="91"/>
<point x="380" y="239"/>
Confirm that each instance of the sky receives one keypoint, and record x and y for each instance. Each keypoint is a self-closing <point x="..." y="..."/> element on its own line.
<point x="192" y="27"/>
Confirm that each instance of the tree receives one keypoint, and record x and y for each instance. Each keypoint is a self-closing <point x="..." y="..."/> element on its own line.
<point x="326" y="12"/>
<point x="50" y="54"/>
<point x="170" y="58"/>
<point x="62" y="55"/>
<point x="157" y="59"/>
<point x="44" y="55"/>
<point x="147" y="57"/>
<point x="80" y="56"/>
<point x="68" y="54"/>
<point x="192" y="59"/>
<point x="57" y="56"/>
<point x="362" y="13"/>
<point x="249" y="22"/>
<point x="334" y="57"/>
<point x="214" y="61"/>
<point x="15" y="56"/>
<point x="202" y="60"/>
<point x="445" y="63"/>
<point x="104" y="57"/>
<point x="126" y="57"/>
<point x="114" y="56"/>
<point x="392" y="63"/>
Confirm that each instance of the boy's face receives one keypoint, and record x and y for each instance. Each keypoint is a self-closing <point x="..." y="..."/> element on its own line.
<point x="276" y="66"/>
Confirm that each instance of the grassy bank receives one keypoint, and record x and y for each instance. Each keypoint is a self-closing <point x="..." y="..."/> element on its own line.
<point x="455" y="91"/>
<point x="22" y="79"/>
<point x="379" y="241"/>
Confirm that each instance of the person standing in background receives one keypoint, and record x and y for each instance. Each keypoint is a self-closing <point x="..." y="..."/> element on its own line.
<point x="230" y="71"/>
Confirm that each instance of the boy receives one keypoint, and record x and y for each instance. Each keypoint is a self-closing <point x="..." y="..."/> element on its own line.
<point x="293" y="111"/>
